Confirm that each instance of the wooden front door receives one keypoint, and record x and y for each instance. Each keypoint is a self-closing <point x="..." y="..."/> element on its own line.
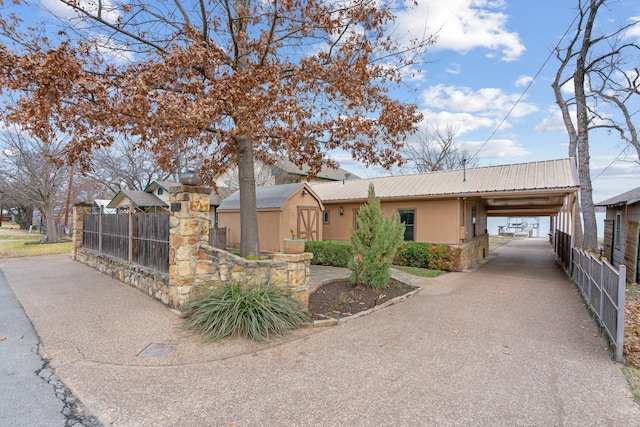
<point x="309" y="223"/>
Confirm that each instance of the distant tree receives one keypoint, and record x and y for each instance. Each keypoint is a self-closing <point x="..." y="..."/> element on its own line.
<point x="33" y="176"/>
<point x="375" y="242"/>
<point x="125" y="165"/>
<point x="435" y="149"/>
<point x="583" y="59"/>
<point x="239" y="80"/>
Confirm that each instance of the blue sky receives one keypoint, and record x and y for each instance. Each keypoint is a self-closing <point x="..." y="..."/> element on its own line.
<point x="486" y="54"/>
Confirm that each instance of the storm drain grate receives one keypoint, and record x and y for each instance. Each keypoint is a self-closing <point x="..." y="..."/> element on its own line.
<point x="157" y="350"/>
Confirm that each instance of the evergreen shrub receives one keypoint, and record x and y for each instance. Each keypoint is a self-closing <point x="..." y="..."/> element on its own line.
<point x="331" y="253"/>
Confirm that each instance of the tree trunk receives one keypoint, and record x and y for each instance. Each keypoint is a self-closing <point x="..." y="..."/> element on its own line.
<point x="52" y="234"/>
<point x="26" y="217"/>
<point x="249" y="244"/>
<point x="590" y="242"/>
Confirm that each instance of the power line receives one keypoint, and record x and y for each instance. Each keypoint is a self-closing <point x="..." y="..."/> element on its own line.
<point x="527" y="87"/>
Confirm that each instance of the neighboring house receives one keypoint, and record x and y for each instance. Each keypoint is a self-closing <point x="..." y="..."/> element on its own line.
<point x="140" y="200"/>
<point x="283" y="171"/>
<point x="155" y="197"/>
<point x="283" y="210"/>
<point x="286" y="172"/>
<point x="101" y="205"/>
<point x="622" y="232"/>
<point x="451" y="207"/>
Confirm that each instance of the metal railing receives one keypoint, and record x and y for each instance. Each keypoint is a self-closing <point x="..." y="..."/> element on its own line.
<point x="603" y="288"/>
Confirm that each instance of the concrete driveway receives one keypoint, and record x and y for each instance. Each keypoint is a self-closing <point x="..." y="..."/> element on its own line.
<point x="507" y="344"/>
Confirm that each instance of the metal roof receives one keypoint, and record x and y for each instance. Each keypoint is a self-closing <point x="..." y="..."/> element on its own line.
<point x="551" y="174"/>
<point x="526" y="188"/>
<point x="627" y="198"/>
<point x="270" y="197"/>
<point x="326" y="172"/>
<point x="140" y="198"/>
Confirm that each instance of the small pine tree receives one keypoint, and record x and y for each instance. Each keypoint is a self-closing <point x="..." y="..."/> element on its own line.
<point x="375" y="243"/>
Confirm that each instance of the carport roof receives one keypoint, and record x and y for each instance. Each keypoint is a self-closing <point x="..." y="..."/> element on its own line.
<point x="535" y="188"/>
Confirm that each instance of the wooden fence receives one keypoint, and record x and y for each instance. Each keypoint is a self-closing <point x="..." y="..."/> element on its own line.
<point x="218" y="237"/>
<point x="139" y="238"/>
<point x="603" y="288"/>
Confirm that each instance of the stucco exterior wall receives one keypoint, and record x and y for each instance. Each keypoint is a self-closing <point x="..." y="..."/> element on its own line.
<point x="436" y="221"/>
<point x="274" y="225"/>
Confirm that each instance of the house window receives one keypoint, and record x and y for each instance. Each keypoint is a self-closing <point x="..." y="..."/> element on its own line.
<point x="617" y="232"/>
<point x="325" y="217"/>
<point x="408" y="218"/>
<point x="160" y="191"/>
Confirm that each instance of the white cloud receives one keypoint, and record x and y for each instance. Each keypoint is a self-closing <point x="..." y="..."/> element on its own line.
<point x="497" y="148"/>
<point x="486" y="102"/>
<point x="454" y="68"/>
<point x="523" y="81"/>
<point x="109" y="12"/>
<point x="464" y="25"/>
<point x="553" y="122"/>
<point x="634" y="32"/>
<point x="463" y="122"/>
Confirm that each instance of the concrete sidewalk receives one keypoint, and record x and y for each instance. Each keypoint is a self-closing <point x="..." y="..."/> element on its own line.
<point x="506" y="344"/>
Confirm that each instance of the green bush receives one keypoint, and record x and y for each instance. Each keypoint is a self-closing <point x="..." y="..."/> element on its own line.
<point x="331" y="253"/>
<point x="427" y="255"/>
<point x="257" y="312"/>
<point x="375" y="243"/>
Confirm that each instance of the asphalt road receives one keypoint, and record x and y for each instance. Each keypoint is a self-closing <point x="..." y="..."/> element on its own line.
<point x="28" y="399"/>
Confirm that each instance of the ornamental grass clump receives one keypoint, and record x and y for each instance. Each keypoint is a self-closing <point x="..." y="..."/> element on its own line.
<point x="258" y="312"/>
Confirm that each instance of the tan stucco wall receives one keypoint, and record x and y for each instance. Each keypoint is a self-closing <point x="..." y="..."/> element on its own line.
<point x="273" y="225"/>
<point x="437" y="221"/>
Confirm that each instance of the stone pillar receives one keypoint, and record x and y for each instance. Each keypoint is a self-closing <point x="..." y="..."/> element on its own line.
<point x="297" y="275"/>
<point x="188" y="229"/>
<point x="79" y="210"/>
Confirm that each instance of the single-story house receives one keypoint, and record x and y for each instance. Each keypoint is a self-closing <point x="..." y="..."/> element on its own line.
<point x="283" y="210"/>
<point x="451" y="207"/>
<point x="622" y="232"/>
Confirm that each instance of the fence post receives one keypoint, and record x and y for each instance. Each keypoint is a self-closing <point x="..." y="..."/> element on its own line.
<point x="79" y="209"/>
<point x="100" y="228"/>
<point x="132" y="208"/>
<point x="188" y="229"/>
<point x="601" y="289"/>
<point x="622" y="284"/>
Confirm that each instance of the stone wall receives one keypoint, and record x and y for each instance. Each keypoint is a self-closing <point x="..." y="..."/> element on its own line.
<point x="193" y="263"/>
<point x="474" y="251"/>
<point x="152" y="283"/>
<point x="292" y="271"/>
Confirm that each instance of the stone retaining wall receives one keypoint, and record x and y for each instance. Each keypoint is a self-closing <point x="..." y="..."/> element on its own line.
<point x="292" y="271"/>
<point x="152" y="283"/>
<point x="474" y="251"/>
<point x="193" y="262"/>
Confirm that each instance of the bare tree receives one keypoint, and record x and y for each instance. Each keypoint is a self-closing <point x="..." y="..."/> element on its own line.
<point x="581" y="57"/>
<point x="435" y="149"/>
<point x="125" y="165"/>
<point x="240" y="80"/>
<point x="34" y="176"/>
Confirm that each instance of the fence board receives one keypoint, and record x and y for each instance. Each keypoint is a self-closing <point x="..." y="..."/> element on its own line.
<point x="149" y="239"/>
<point x="218" y="237"/>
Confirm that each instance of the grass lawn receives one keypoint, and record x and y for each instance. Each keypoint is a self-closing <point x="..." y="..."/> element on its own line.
<point x="19" y="243"/>
<point x="420" y="272"/>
